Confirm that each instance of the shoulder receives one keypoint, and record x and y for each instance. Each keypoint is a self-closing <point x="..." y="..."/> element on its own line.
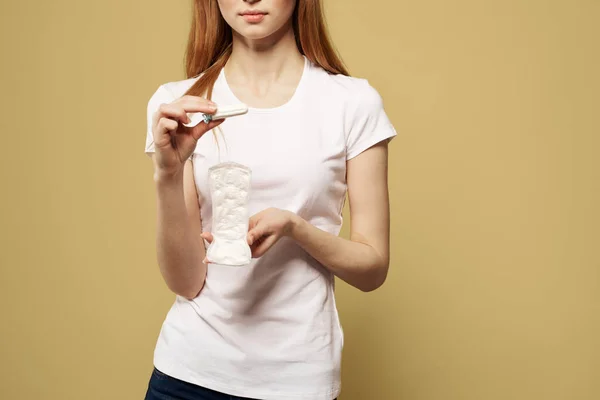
<point x="360" y="107"/>
<point x="352" y="92"/>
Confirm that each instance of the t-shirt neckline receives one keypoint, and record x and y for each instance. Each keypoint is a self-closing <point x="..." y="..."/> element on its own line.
<point x="289" y="103"/>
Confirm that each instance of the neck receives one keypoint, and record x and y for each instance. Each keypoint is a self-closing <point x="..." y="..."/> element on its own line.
<point x="266" y="60"/>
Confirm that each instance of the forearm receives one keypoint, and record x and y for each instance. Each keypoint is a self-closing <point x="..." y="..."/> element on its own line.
<point x="179" y="252"/>
<point x="354" y="261"/>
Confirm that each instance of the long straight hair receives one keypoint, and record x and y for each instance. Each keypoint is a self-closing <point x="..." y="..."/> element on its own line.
<point x="210" y="42"/>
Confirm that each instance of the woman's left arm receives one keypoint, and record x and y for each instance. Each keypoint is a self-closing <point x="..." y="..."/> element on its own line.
<point x="363" y="260"/>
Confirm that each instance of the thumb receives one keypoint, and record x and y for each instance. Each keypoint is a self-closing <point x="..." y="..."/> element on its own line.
<point x="199" y="130"/>
<point x="207" y="236"/>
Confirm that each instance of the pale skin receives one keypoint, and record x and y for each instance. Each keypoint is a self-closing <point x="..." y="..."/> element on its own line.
<point x="272" y="66"/>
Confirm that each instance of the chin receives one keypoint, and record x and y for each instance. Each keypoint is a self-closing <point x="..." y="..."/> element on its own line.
<point x="255" y="34"/>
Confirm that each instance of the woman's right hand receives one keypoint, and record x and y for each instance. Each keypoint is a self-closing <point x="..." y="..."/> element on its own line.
<point x="173" y="142"/>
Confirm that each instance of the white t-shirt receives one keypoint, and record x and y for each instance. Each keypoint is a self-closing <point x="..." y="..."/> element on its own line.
<point x="270" y="330"/>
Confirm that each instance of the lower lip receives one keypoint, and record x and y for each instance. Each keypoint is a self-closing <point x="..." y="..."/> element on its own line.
<point x="253" y="18"/>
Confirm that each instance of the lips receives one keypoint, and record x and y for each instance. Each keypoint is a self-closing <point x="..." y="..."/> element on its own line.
<point x="253" y="12"/>
<point x="253" y="16"/>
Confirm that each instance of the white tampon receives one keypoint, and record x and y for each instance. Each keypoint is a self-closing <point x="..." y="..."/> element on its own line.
<point x="222" y="113"/>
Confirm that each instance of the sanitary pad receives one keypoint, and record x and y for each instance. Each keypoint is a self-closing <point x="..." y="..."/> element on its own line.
<point x="229" y="185"/>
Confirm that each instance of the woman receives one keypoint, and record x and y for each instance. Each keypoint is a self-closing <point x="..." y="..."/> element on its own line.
<point x="268" y="330"/>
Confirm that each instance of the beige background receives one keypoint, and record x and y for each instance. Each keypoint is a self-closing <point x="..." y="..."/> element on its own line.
<point x="494" y="289"/>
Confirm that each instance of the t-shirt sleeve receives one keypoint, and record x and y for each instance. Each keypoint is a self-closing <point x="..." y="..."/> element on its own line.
<point x="160" y="96"/>
<point x="368" y="123"/>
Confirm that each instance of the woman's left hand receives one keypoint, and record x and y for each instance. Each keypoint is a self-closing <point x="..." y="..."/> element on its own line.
<point x="265" y="229"/>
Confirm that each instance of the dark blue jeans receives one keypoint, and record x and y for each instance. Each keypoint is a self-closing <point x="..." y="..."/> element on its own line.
<point x="165" y="387"/>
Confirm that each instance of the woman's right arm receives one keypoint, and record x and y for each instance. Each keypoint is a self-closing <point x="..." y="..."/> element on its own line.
<point x="180" y="247"/>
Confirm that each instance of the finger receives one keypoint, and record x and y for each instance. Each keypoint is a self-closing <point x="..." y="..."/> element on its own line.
<point x="255" y="219"/>
<point x="252" y="222"/>
<point x="199" y="130"/>
<point x="166" y="125"/>
<point x="196" y="104"/>
<point x="173" y="111"/>
<point x="263" y="246"/>
<point x="207" y="236"/>
<point x="256" y="233"/>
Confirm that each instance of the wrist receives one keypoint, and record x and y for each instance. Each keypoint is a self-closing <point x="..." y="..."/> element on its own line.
<point x="163" y="178"/>
<point x="294" y="223"/>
